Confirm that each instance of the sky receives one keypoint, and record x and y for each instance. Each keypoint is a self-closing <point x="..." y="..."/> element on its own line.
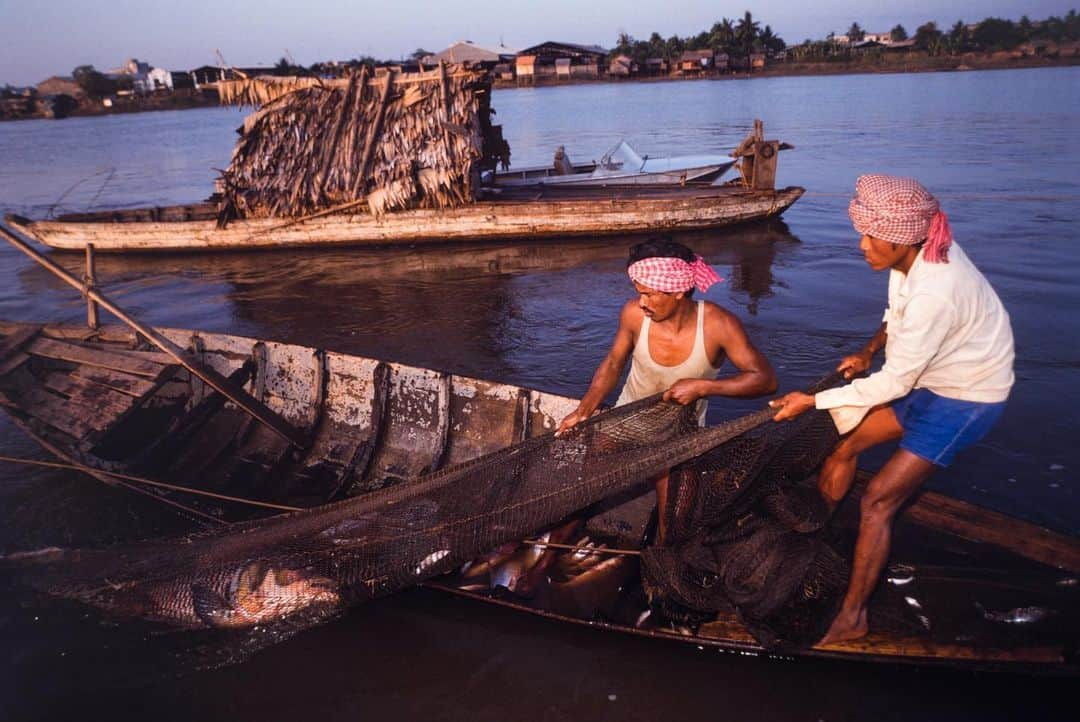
<point x="41" y="38"/>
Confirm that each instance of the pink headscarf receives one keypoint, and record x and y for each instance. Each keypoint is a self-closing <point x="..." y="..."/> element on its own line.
<point x="901" y="210"/>
<point x="673" y="275"/>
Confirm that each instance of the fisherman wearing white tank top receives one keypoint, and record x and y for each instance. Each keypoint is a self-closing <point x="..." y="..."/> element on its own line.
<point x="677" y="344"/>
<point x="647" y="377"/>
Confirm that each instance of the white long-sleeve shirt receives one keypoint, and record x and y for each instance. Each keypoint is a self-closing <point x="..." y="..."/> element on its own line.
<point x="947" y="332"/>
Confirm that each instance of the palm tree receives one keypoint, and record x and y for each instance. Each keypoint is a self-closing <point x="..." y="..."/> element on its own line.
<point x="928" y="37"/>
<point x="746" y="33"/>
<point x="657" y="45"/>
<point x="625" y="44"/>
<point x="958" y="37"/>
<point x="855" y="33"/>
<point x="1026" y="27"/>
<point x="722" y="35"/>
<point x="773" y="43"/>
<point x="674" y="47"/>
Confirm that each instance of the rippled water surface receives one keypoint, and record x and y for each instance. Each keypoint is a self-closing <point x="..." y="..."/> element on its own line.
<point x="999" y="148"/>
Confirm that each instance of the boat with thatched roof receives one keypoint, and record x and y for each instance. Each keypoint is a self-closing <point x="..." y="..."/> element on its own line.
<point x="399" y="158"/>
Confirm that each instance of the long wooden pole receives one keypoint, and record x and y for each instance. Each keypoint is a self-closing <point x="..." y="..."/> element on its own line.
<point x="373" y="136"/>
<point x="580" y="549"/>
<point x="340" y="208"/>
<point x="238" y="396"/>
<point x="91" y="282"/>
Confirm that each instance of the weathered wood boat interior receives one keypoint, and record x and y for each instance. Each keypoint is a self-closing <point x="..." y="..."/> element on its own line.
<point x="107" y="401"/>
<point x="991" y="592"/>
<point x="208" y="210"/>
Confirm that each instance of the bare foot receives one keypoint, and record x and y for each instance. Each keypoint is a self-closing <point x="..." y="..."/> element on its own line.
<point x="845" y="628"/>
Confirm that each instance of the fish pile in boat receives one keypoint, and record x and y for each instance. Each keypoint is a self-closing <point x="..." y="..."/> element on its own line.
<point x="396" y="140"/>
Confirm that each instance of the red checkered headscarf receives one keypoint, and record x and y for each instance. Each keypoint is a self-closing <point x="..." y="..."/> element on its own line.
<point x="673" y="275"/>
<point x="901" y="210"/>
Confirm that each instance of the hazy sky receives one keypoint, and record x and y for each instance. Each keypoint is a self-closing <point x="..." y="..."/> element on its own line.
<point x="39" y="38"/>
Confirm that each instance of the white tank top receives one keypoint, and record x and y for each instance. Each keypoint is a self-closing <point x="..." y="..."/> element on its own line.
<point x="648" y="377"/>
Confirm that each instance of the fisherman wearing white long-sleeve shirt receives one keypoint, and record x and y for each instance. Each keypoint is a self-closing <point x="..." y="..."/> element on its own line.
<point x="948" y="371"/>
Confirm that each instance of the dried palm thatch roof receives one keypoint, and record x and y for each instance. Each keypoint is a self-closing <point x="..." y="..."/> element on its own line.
<point x="390" y="142"/>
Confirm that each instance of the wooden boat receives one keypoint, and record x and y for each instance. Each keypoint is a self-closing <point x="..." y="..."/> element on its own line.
<point x="622" y="165"/>
<point x="546" y="212"/>
<point x="107" y="403"/>
<point x="401" y="164"/>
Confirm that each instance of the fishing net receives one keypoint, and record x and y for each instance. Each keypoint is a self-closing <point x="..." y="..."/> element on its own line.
<point x="745" y="531"/>
<point x="389" y="539"/>
<point x="738" y="528"/>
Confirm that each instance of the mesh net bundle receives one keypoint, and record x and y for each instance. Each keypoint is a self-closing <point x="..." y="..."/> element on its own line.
<point x="727" y="546"/>
<point x="389" y="539"/>
<point x="744" y="531"/>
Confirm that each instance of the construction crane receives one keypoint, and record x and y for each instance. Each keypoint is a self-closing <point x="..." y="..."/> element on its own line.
<point x="225" y="66"/>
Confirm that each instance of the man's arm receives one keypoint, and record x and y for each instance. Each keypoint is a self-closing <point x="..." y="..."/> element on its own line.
<point x="916" y="339"/>
<point x="754" y="378"/>
<point x="610" y="369"/>
<point x="796" y="403"/>
<point x="856" y="363"/>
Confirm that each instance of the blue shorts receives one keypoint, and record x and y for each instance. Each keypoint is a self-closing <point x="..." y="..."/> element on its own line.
<point x="936" y="427"/>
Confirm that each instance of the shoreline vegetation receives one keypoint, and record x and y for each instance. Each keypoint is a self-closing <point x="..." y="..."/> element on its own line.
<point x="731" y="49"/>
<point x="939" y="65"/>
<point x="188" y="100"/>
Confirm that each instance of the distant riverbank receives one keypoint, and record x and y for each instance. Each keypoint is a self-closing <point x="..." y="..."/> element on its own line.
<point x="911" y="62"/>
<point x="147" y="103"/>
<point x="906" y="63"/>
<point x="29" y="109"/>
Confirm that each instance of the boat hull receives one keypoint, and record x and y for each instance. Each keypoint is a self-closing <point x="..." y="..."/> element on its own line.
<point x="700" y="174"/>
<point x="582" y="212"/>
<point x="102" y="400"/>
<point x="727" y="633"/>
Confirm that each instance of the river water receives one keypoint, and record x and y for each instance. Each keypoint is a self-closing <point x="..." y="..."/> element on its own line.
<point x="999" y="149"/>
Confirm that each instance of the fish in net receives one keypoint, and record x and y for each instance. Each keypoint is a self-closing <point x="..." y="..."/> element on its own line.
<point x="746" y="531"/>
<point x="372" y="545"/>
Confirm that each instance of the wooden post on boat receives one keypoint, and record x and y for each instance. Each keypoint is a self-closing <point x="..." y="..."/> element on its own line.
<point x="765" y="153"/>
<point x="444" y="95"/>
<point x="238" y="396"/>
<point x="758" y="158"/>
<point x="91" y="283"/>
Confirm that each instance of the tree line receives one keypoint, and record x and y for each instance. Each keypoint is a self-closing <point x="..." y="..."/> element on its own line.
<point x="989" y="35"/>
<point x="740" y="37"/>
<point x="737" y="38"/>
<point x="743" y="36"/>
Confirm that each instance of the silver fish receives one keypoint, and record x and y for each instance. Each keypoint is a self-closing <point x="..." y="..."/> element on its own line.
<point x="252" y="594"/>
<point x="430" y="561"/>
<point x="511" y="572"/>
<point x="1019" y="615"/>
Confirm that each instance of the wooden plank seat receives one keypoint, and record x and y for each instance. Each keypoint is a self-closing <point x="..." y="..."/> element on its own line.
<point x="11" y="347"/>
<point x="147" y="364"/>
<point x="83" y="391"/>
<point x="189" y="433"/>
